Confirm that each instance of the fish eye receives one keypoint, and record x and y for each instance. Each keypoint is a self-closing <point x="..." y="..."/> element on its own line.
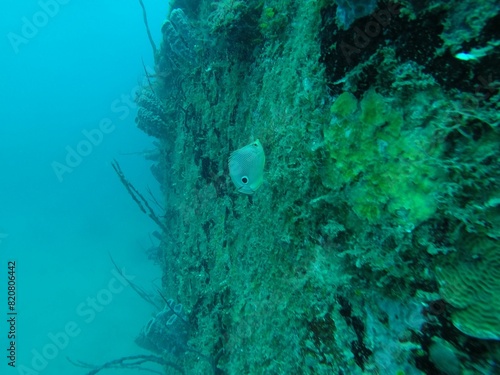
<point x="244" y="179"/>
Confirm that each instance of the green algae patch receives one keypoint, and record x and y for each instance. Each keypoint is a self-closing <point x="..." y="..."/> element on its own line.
<point x="375" y="156"/>
<point x="345" y="105"/>
<point x="373" y="109"/>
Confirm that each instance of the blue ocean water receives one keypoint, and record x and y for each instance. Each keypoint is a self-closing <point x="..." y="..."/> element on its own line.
<point x="68" y="73"/>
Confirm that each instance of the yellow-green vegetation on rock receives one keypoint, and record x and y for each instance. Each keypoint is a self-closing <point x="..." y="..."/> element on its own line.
<point x="272" y="23"/>
<point x="472" y="287"/>
<point x="226" y="13"/>
<point x="376" y="155"/>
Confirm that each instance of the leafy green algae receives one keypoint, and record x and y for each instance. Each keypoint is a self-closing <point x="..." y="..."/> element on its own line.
<point x="378" y="158"/>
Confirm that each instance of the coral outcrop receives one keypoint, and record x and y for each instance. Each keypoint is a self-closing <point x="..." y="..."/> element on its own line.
<point x="472" y="287"/>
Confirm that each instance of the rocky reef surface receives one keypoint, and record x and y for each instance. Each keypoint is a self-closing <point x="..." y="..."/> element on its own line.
<point x="372" y="246"/>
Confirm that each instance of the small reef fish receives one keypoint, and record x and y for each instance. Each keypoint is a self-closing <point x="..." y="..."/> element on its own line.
<point x="246" y="167"/>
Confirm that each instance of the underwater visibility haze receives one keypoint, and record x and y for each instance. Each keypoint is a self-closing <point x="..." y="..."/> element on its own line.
<point x="250" y="187"/>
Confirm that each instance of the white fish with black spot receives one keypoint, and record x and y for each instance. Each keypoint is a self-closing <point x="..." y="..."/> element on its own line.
<point x="246" y="167"/>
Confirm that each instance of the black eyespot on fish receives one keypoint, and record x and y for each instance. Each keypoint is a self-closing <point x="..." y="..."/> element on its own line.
<point x="244" y="180"/>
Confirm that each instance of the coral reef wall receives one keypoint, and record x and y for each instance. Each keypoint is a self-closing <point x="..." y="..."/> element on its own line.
<point x="380" y="128"/>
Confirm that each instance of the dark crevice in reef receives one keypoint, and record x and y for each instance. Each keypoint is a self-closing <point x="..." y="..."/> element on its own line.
<point x="344" y="50"/>
<point x="358" y="348"/>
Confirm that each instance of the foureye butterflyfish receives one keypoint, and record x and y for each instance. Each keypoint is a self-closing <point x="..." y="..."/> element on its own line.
<point x="246" y="167"/>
